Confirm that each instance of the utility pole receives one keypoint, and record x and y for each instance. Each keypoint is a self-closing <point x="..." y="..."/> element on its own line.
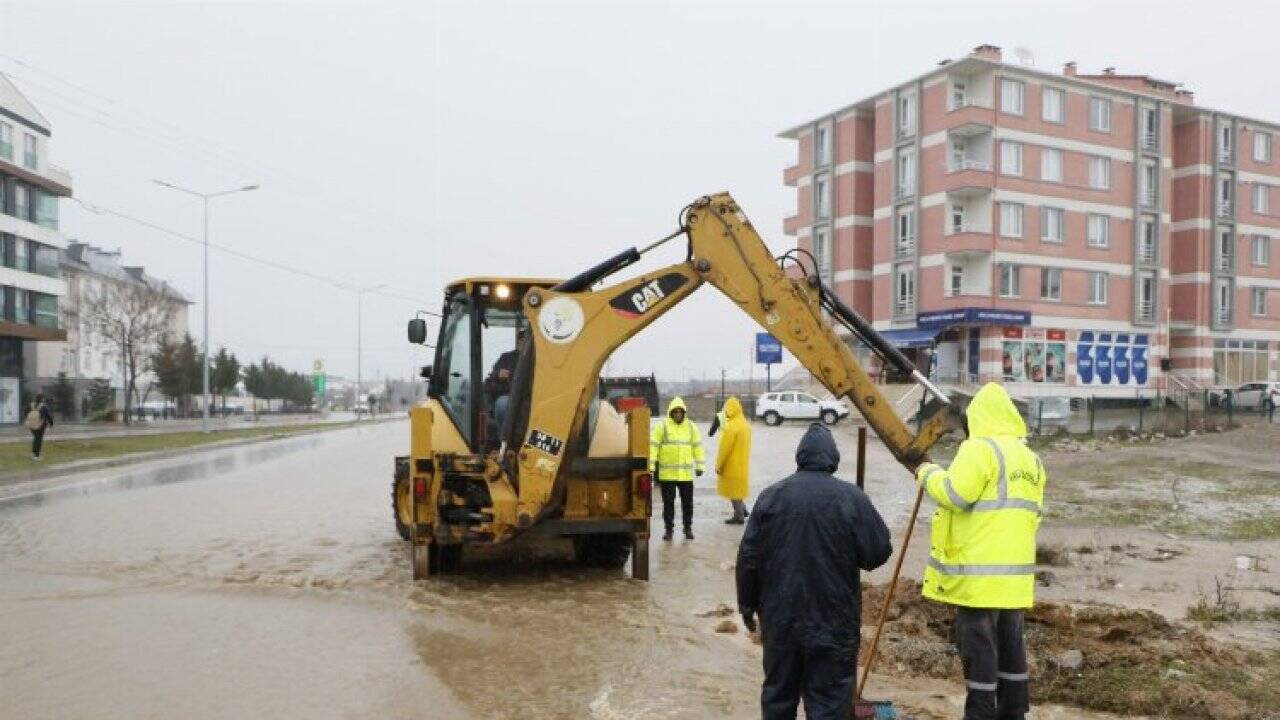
<point x="359" y="343"/>
<point x="204" y="340"/>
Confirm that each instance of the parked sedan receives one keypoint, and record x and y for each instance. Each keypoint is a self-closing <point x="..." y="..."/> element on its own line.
<point x="1251" y="396"/>
<point x="775" y="407"/>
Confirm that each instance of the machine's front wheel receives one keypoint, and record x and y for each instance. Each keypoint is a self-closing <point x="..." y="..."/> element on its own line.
<point x="608" y="550"/>
<point x="420" y="556"/>
<point x="402" y="505"/>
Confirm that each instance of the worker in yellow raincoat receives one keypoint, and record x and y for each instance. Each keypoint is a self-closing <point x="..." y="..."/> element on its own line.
<point x="676" y="457"/>
<point x="733" y="460"/>
<point x="982" y="552"/>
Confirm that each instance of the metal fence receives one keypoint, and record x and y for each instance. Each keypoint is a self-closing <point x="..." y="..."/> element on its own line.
<point x="1170" y="413"/>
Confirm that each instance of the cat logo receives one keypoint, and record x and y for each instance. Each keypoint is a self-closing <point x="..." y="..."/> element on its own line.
<point x="638" y="299"/>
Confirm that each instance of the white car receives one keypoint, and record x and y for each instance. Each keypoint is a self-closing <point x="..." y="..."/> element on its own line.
<point x="1250" y="396"/>
<point x="775" y="407"/>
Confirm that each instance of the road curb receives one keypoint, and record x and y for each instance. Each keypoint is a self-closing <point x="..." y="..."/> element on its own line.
<point x="10" y="482"/>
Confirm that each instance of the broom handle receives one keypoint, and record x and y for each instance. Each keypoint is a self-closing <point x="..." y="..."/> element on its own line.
<point x="888" y="597"/>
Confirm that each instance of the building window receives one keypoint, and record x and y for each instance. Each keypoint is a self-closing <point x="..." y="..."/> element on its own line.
<point x="1100" y="114"/>
<point x="957" y="219"/>
<point x="1222" y="308"/>
<point x="906" y="173"/>
<point x="21" y="202"/>
<point x="46" y="209"/>
<point x="21" y="306"/>
<point x="1147" y="240"/>
<point x="1259" y="302"/>
<point x="1050" y="164"/>
<point x="1011" y="96"/>
<point x="1052" y="224"/>
<point x="1010" y="158"/>
<point x="1098" y="288"/>
<point x="906" y="114"/>
<point x="30" y="156"/>
<point x="822" y="252"/>
<point x="959" y="94"/>
<point x="21" y="255"/>
<point x="1010" y="220"/>
<point x="1224" y="142"/>
<point x="1099" y="230"/>
<point x="1224" y="194"/>
<point x="822" y="146"/>
<point x="906" y="229"/>
<point x="6" y="141"/>
<point x="821" y="197"/>
<point x="1050" y="283"/>
<point x="1010" y="280"/>
<point x="1150" y="128"/>
<point x="1100" y="173"/>
<point x="906" y="290"/>
<point x="45" y="310"/>
<point x="1261" y="250"/>
<point x="1034" y="360"/>
<point x="957" y="279"/>
<point x="1261" y="146"/>
<point x="1147" y="182"/>
<point x="1054" y="109"/>
<point x="1146" y="296"/>
<point x="1261" y="198"/>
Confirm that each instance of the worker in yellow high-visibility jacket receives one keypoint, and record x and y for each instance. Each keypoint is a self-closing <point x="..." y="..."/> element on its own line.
<point x="983" y="550"/>
<point x="676" y="457"/>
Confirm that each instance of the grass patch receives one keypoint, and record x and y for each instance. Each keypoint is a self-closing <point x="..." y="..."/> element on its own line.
<point x="15" y="456"/>
<point x="1257" y="527"/>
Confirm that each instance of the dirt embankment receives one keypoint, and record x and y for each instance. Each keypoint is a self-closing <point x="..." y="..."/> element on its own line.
<point x="1132" y="662"/>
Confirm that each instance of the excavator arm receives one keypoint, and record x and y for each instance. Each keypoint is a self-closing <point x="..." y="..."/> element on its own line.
<point x="576" y="329"/>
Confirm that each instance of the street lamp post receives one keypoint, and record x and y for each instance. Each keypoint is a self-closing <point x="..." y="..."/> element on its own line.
<point x="359" y="341"/>
<point x="206" y="197"/>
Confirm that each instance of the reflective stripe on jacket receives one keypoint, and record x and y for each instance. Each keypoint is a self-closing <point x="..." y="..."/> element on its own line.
<point x="983" y="538"/>
<point x="676" y="449"/>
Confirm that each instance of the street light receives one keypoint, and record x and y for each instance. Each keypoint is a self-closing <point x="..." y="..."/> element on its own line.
<point x="359" y="340"/>
<point x="206" y="197"/>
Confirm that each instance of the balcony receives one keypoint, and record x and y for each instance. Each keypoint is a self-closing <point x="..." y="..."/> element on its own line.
<point x="1224" y="263"/>
<point x="1226" y="156"/>
<point x="963" y="164"/>
<point x="1150" y="141"/>
<point x="1147" y="198"/>
<point x="904" y="248"/>
<point x="1146" y="254"/>
<point x="1146" y="311"/>
<point x="902" y="192"/>
<point x="1222" y="315"/>
<point x="904" y="308"/>
<point x="1224" y="208"/>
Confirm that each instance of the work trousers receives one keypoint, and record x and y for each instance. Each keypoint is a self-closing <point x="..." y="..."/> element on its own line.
<point x="669" y="488"/>
<point x="37" y="440"/>
<point x="995" y="663"/>
<point x="822" y="676"/>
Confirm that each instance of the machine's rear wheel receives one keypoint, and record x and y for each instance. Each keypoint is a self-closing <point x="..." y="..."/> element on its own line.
<point x="608" y="550"/>
<point x="421" y="557"/>
<point x="402" y="505"/>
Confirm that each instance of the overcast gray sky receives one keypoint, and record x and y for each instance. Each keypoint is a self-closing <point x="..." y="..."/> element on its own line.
<point x="412" y="143"/>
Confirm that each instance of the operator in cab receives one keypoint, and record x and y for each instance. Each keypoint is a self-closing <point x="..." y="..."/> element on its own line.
<point x="982" y="552"/>
<point x="498" y="384"/>
<point x="798" y="567"/>
<point x="676" y="457"/>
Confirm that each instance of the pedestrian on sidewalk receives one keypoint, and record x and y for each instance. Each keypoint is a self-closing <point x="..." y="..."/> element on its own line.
<point x="983" y="551"/>
<point x="676" y="457"/>
<point x="38" y="420"/>
<point x="798" y="568"/>
<point x="733" y="460"/>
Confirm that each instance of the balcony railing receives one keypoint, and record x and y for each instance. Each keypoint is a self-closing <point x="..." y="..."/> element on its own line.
<point x="1150" y="140"/>
<point x="903" y="308"/>
<point x="1226" y="156"/>
<point x="1147" y="254"/>
<point x="1146" y="311"/>
<point x="1225" y="262"/>
<point x="1222" y="315"/>
<point x="1224" y="208"/>
<point x="1147" y="198"/>
<point x="960" y="165"/>
<point x="905" y="191"/>
<point x="906" y="130"/>
<point x="904" y="247"/>
<point x="956" y="229"/>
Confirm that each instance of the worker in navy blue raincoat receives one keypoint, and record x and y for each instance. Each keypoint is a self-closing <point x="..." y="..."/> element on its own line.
<point x="798" y="569"/>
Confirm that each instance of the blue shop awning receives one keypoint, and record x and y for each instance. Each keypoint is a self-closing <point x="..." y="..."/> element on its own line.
<point x="911" y="337"/>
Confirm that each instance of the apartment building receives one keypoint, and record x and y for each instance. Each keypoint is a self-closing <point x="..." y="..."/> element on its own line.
<point x="30" y="286"/>
<point x="85" y="355"/>
<point x="1062" y="232"/>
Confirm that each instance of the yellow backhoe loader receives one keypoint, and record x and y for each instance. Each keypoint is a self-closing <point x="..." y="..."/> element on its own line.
<point x="513" y="435"/>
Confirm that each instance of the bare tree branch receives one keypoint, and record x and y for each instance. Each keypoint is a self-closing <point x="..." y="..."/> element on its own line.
<point x="131" y="317"/>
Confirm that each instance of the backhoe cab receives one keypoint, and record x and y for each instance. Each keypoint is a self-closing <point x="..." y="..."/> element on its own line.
<point x="513" y="433"/>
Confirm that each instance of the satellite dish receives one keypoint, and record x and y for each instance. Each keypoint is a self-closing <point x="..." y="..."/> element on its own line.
<point x="1025" y="56"/>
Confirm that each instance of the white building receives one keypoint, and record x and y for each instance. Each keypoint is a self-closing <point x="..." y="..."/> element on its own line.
<point x="85" y="356"/>
<point x="29" y="244"/>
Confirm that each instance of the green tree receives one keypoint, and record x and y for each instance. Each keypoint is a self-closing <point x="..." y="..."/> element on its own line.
<point x="224" y="375"/>
<point x="176" y="364"/>
<point x="62" y="397"/>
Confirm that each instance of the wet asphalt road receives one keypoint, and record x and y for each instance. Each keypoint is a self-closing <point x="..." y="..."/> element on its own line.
<point x="268" y="581"/>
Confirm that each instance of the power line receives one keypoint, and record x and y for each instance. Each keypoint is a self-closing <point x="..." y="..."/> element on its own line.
<point x="104" y="210"/>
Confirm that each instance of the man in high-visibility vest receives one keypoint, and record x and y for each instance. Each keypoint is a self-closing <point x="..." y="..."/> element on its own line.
<point x="983" y="550"/>
<point x="676" y="457"/>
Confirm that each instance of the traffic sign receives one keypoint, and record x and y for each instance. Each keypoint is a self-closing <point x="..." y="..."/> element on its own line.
<point x="320" y="381"/>
<point x="768" y="349"/>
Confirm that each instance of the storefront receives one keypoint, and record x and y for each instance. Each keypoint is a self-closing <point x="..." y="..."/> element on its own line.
<point x="1033" y="355"/>
<point x="1241" y="361"/>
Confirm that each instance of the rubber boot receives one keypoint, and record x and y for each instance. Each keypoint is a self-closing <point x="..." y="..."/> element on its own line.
<point x="667" y="535"/>
<point x="688" y="533"/>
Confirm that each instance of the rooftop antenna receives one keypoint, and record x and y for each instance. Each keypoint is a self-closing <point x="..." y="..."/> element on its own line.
<point x="1025" y="56"/>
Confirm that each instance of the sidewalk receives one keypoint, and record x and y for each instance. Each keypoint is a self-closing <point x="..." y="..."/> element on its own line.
<point x="83" y="430"/>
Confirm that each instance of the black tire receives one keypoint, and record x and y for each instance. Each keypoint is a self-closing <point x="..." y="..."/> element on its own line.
<point x="609" y="550"/>
<point x="772" y="418"/>
<point x="397" y="486"/>
<point x="446" y="558"/>
<point x="830" y="417"/>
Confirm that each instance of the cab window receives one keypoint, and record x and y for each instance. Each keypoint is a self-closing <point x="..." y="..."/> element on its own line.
<point x="452" y="382"/>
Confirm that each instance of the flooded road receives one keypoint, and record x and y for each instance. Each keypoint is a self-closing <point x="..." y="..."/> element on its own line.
<point x="269" y="582"/>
